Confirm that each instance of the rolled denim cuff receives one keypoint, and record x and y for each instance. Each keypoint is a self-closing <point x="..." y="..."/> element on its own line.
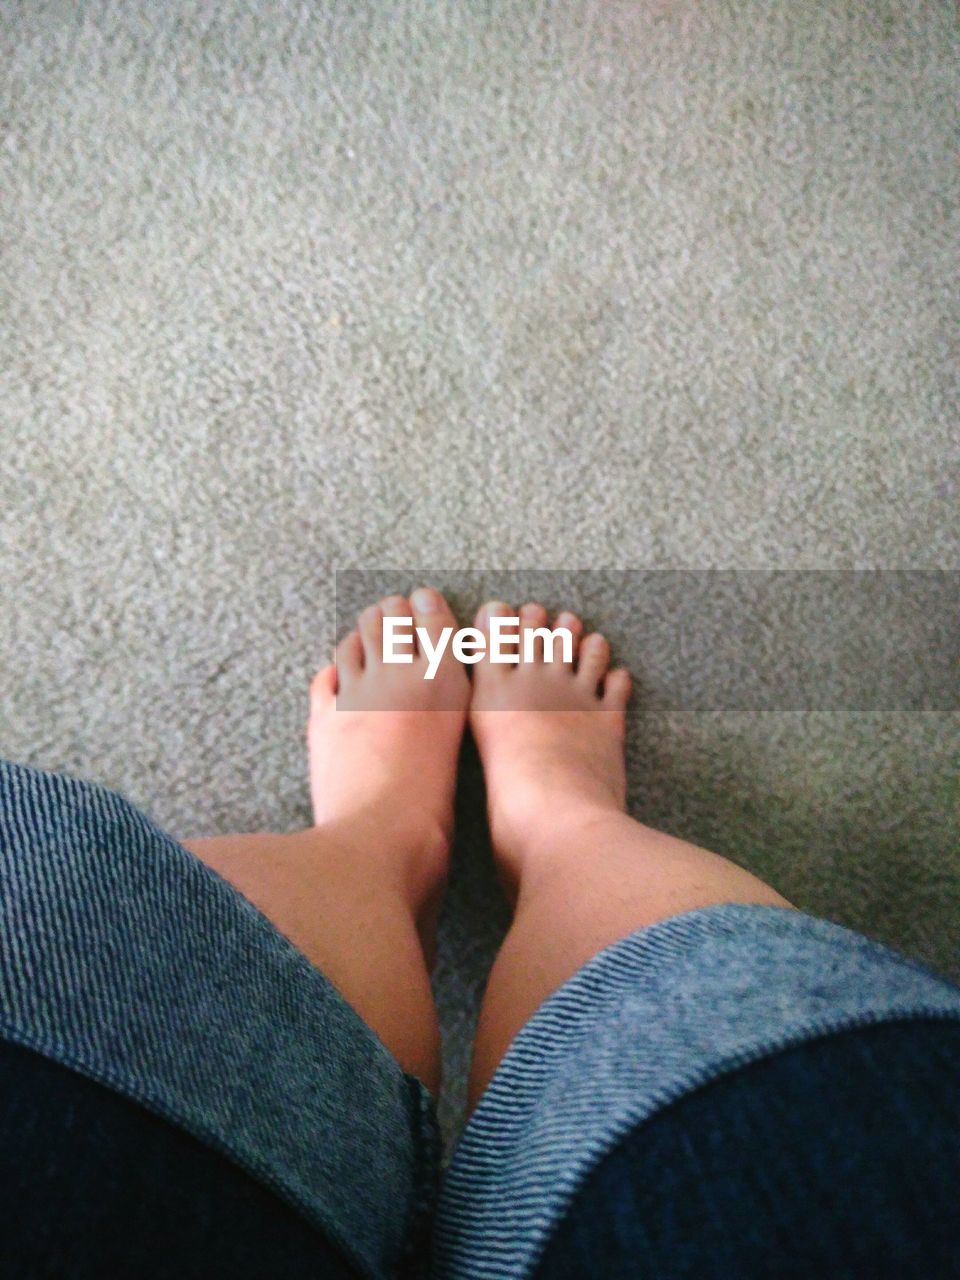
<point x="125" y="958"/>
<point x="644" y="1022"/>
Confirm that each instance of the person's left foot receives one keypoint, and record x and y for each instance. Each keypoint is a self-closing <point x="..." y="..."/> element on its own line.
<point x="550" y="735"/>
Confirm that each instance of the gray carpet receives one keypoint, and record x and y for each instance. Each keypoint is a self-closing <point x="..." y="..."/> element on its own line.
<point x="589" y="284"/>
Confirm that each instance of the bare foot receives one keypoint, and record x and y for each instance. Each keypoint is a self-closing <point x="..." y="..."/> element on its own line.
<point x="382" y="780"/>
<point x="550" y="735"/>
<point x="359" y="891"/>
<point x="581" y="872"/>
<point x="384" y="741"/>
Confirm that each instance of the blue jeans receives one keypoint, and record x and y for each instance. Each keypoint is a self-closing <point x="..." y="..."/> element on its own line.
<point x="723" y="1093"/>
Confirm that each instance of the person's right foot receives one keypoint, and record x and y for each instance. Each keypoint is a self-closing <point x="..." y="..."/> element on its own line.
<point x="550" y="736"/>
<point x="384" y="742"/>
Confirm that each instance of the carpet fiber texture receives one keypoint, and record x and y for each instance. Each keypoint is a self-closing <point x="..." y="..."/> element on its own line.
<point x="289" y="288"/>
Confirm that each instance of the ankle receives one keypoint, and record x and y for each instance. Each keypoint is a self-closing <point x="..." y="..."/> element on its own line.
<point x="408" y="851"/>
<point x="578" y="828"/>
<point x="555" y="840"/>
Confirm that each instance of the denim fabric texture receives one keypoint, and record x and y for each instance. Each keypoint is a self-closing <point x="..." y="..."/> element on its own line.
<point x="837" y="1158"/>
<point x="125" y="958"/>
<point x="94" y="1186"/>
<point x="656" y="1015"/>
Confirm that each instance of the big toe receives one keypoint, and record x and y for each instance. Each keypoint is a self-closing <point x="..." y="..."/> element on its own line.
<point x="486" y="671"/>
<point x="435" y="626"/>
<point x="431" y="613"/>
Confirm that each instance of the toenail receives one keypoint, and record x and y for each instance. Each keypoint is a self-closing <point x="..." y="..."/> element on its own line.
<point x="425" y="600"/>
<point x="393" y="603"/>
<point x="496" y="608"/>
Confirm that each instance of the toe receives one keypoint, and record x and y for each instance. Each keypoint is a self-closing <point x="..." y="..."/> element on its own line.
<point x="370" y="624"/>
<point x="431" y="611"/>
<point x="323" y="687"/>
<point x="349" y="658"/>
<point x="593" y="661"/>
<point x="395" y="607"/>
<point x="570" y="622"/>
<point x="483" y="613"/>
<point x="485" y="669"/>
<point x="398" y="642"/>
<point x="616" y="689"/>
<point x="532" y="616"/>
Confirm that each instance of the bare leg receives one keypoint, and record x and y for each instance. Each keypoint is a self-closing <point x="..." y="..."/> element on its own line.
<point x="358" y="892"/>
<point x="581" y="873"/>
